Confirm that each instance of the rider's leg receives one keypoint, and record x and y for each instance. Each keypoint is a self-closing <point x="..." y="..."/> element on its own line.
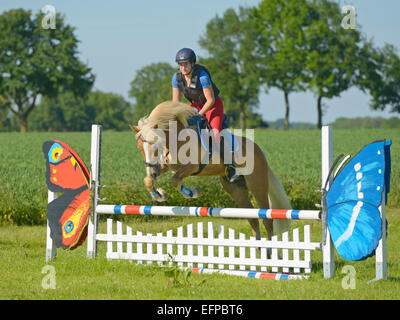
<point x="226" y="155"/>
<point x="215" y="118"/>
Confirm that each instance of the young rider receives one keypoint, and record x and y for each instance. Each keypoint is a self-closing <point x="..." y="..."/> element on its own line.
<point x="194" y="81"/>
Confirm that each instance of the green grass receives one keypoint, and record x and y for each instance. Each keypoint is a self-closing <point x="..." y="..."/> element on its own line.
<point x="22" y="259"/>
<point x="294" y="157"/>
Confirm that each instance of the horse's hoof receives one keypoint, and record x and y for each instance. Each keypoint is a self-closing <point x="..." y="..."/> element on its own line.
<point x="191" y="193"/>
<point x="160" y="195"/>
<point x="197" y="193"/>
<point x="164" y="195"/>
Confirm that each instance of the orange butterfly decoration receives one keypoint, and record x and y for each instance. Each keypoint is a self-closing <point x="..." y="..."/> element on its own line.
<point x="68" y="215"/>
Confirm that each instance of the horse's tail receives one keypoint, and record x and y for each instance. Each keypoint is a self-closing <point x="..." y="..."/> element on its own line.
<point x="278" y="199"/>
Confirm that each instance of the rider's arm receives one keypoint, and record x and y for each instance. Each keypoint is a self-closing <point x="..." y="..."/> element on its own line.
<point x="176" y="93"/>
<point x="208" y="92"/>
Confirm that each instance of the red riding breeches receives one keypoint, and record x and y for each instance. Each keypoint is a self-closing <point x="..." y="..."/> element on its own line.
<point x="214" y="116"/>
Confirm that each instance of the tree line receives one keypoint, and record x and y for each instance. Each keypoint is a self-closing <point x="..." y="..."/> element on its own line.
<point x="343" y="123"/>
<point x="290" y="45"/>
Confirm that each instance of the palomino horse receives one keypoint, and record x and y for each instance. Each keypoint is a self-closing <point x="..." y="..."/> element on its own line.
<point x="153" y="140"/>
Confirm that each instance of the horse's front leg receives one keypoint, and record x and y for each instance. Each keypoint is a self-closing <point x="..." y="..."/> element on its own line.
<point x="156" y="194"/>
<point x="176" y="182"/>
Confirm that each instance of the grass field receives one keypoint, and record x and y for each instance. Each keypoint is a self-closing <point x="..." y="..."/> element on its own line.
<point x="293" y="155"/>
<point x="22" y="263"/>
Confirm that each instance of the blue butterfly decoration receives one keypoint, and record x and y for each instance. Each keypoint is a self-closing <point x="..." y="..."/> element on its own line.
<point x="353" y="201"/>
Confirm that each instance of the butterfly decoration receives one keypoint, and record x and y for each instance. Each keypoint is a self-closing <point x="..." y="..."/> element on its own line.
<point x="353" y="201"/>
<point x="68" y="215"/>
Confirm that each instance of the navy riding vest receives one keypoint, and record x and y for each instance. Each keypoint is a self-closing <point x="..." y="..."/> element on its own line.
<point x="194" y="92"/>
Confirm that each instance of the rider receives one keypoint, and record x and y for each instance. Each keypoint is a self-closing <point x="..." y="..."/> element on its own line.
<point x="194" y="81"/>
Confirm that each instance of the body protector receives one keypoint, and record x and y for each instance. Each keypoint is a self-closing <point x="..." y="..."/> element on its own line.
<point x="194" y="92"/>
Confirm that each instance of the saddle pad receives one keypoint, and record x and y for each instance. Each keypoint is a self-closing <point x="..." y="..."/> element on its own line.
<point x="229" y="139"/>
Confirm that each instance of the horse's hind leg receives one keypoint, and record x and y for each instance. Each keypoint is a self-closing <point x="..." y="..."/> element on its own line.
<point x="269" y="193"/>
<point x="258" y="184"/>
<point x="239" y="193"/>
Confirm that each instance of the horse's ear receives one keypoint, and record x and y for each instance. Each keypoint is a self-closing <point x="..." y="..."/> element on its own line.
<point x="134" y="128"/>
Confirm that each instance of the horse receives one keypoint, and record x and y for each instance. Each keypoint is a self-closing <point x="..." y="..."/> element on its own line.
<point x="155" y="141"/>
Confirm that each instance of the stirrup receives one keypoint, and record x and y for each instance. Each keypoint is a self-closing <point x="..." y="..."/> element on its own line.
<point x="232" y="173"/>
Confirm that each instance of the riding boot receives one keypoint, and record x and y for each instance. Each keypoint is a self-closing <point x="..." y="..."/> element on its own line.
<point x="230" y="169"/>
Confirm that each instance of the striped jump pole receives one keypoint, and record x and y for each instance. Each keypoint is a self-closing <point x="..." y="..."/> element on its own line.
<point x="249" y="274"/>
<point x="238" y="213"/>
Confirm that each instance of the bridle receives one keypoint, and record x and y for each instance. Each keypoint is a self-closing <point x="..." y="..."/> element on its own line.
<point x="149" y="164"/>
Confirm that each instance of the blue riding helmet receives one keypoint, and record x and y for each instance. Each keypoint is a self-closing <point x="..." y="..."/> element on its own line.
<point x="185" y="54"/>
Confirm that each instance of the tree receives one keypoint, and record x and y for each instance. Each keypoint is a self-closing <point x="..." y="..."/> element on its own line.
<point x="37" y="62"/>
<point x="332" y="54"/>
<point x="229" y="41"/>
<point x="111" y="110"/>
<point x="65" y="112"/>
<point x="151" y="86"/>
<point x="4" y="120"/>
<point x="379" y="74"/>
<point x="280" y="49"/>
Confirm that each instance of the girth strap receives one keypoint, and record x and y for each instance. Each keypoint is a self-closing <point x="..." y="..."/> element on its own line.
<point x="202" y="165"/>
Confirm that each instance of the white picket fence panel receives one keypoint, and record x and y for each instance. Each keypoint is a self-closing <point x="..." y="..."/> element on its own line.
<point x="205" y="249"/>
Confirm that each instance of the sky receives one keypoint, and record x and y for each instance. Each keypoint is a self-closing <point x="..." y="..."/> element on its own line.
<point x="119" y="37"/>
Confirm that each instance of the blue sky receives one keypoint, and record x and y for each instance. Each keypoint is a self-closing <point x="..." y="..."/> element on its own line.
<point x="119" y="37"/>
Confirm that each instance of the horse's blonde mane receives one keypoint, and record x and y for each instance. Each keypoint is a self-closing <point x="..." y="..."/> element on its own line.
<point x="164" y="113"/>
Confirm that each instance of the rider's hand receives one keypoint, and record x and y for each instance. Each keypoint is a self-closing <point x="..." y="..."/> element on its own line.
<point x="194" y="119"/>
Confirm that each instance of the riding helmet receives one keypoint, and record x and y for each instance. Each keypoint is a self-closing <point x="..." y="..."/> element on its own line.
<point x="184" y="55"/>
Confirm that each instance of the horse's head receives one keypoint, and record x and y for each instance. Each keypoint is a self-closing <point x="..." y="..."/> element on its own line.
<point x="152" y="145"/>
<point x="152" y="133"/>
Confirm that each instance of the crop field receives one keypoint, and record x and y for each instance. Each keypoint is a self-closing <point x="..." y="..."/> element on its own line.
<point x="293" y="155"/>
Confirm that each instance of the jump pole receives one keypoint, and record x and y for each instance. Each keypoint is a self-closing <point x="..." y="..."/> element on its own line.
<point x="327" y="245"/>
<point x="51" y="250"/>
<point x="95" y="156"/>
<point x="247" y="213"/>
<point x="326" y="164"/>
